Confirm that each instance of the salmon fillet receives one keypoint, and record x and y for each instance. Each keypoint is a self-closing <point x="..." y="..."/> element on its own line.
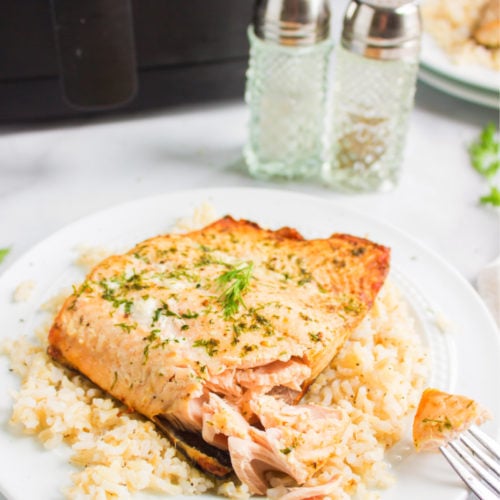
<point x="441" y="417"/>
<point x="202" y="330"/>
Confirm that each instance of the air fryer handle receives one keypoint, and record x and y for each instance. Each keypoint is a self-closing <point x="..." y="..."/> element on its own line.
<point x="95" y="41"/>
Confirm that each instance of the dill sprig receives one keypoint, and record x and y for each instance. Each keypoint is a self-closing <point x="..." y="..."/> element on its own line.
<point x="233" y="283"/>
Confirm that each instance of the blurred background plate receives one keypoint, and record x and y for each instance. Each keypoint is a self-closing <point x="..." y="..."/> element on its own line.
<point x="433" y="58"/>
<point x="477" y="95"/>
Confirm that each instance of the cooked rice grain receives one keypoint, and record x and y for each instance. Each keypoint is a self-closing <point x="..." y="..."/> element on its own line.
<point x="202" y="216"/>
<point x="24" y="291"/>
<point x="89" y="256"/>
<point x="119" y="452"/>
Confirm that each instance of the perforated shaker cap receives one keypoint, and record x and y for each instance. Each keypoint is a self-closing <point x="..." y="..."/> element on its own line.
<point x="383" y="29"/>
<point x="292" y="22"/>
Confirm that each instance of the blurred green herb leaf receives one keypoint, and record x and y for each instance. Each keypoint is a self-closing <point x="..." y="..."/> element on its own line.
<point x="3" y="253"/>
<point x="485" y="152"/>
<point x="493" y="198"/>
<point x="484" y="155"/>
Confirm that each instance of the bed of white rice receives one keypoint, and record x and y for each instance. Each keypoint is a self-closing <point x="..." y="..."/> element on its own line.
<point x="377" y="378"/>
<point x="451" y="23"/>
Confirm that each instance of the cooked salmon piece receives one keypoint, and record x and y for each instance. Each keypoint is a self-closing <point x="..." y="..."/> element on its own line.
<point x="203" y="331"/>
<point x="441" y="417"/>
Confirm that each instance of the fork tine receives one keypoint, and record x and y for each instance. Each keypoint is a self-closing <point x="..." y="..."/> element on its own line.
<point x="483" y="472"/>
<point x="468" y="477"/>
<point x="481" y="452"/>
<point x="491" y="445"/>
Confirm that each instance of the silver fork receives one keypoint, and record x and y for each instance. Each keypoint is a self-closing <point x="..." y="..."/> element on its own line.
<point x="476" y="459"/>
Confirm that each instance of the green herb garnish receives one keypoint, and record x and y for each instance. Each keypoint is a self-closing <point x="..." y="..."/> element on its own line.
<point x="133" y="282"/>
<point x="211" y="345"/>
<point x="315" y="337"/>
<point x="306" y="276"/>
<point x="189" y="315"/>
<point x="445" y="423"/>
<point x="109" y="294"/>
<point x="492" y="198"/>
<point x="152" y="337"/>
<point x="485" y="158"/>
<point x="126" y="328"/>
<point x="352" y="305"/>
<point x="164" y="310"/>
<point x="234" y="282"/>
<point x="247" y="348"/>
<point x="127" y="305"/>
<point x="155" y="342"/>
<point x="237" y="330"/>
<point x="3" y="253"/>
<point x="485" y="152"/>
<point x="83" y="288"/>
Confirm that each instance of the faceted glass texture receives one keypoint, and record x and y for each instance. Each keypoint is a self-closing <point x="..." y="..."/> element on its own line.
<point x="372" y="100"/>
<point x="286" y="91"/>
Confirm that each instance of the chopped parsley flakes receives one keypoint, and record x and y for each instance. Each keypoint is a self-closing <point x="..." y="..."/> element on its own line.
<point x="210" y="345"/>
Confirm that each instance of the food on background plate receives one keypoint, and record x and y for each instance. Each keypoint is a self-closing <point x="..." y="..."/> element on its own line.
<point x="467" y="30"/>
<point x="441" y="417"/>
<point x="487" y="29"/>
<point x="218" y="333"/>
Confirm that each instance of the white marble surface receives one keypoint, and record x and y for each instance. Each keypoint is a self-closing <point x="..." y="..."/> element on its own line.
<point x="52" y="175"/>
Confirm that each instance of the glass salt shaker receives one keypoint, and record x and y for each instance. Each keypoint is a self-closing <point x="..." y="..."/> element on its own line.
<point x="373" y="91"/>
<point x="286" y="88"/>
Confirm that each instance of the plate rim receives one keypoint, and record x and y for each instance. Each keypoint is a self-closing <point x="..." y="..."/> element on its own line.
<point x="456" y="89"/>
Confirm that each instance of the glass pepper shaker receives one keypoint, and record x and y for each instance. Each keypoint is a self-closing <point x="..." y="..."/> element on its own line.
<point x="373" y="90"/>
<point x="286" y="88"/>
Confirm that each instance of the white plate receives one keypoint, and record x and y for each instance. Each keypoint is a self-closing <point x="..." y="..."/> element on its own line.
<point x="434" y="58"/>
<point x="466" y="360"/>
<point x="456" y="88"/>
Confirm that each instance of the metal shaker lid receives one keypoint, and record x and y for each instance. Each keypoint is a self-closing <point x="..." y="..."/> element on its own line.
<point x="382" y="29"/>
<point x="292" y="22"/>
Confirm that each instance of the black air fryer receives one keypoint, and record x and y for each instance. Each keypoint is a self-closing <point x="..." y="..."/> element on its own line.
<point x="69" y="58"/>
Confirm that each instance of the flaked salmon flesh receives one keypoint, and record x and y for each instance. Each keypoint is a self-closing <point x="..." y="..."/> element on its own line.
<point x="220" y="331"/>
